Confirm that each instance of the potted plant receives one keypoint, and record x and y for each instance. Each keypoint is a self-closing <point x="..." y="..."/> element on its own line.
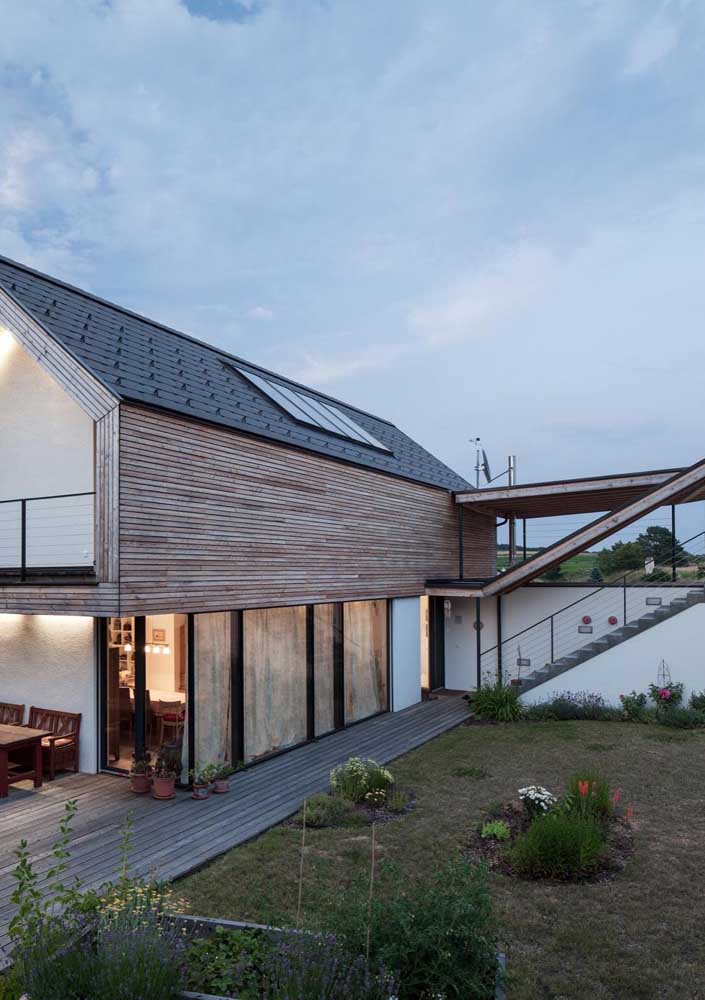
<point x="164" y="778"/>
<point x="201" y="777"/>
<point x="141" y="773"/>
<point x="221" y="781"/>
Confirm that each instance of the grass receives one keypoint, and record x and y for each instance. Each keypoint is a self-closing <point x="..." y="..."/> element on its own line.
<point x="638" y="936"/>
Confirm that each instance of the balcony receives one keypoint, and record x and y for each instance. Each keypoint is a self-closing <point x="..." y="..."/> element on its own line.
<point x="45" y="539"/>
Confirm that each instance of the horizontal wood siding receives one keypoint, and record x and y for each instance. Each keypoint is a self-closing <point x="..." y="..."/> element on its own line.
<point x="479" y="545"/>
<point x="26" y="599"/>
<point x="211" y="519"/>
<point x="107" y="500"/>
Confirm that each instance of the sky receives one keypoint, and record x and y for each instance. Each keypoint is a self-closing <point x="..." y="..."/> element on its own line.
<point x="469" y="218"/>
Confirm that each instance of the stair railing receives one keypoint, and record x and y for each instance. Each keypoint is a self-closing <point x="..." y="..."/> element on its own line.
<point x="555" y="632"/>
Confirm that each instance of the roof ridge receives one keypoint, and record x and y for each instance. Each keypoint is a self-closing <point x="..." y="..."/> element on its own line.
<point x="185" y="336"/>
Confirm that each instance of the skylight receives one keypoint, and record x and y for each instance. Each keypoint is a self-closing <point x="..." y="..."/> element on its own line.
<point x="314" y="412"/>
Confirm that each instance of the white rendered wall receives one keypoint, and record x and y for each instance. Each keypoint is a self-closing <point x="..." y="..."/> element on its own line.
<point x="46" y="445"/>
<point x="527" y="606"/>
<point x="633" y="665"/>
<point x="46" y="450"/>
<point x="49" y="661"/>
<point x="406" y="652"/>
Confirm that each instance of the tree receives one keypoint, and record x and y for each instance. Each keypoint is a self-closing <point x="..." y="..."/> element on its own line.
<point x="596" y="576"/>
<point x="658" y="544"/>
<point x="622" y="557"/>
<point x="554" y="573"/>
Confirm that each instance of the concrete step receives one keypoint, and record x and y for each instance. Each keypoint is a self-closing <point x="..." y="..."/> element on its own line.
<point x="607" y="641"/>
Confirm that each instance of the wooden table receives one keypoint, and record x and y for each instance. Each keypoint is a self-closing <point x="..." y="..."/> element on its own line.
<point x="14" y="738"/>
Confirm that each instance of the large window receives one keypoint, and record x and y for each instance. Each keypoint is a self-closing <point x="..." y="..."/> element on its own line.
<point x="212" y="700"/>
<point x="365" y="657"/>
<point x="274" y="664"/>
<point x="326" y="634"/>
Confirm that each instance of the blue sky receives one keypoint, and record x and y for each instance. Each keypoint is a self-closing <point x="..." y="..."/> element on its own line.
<point x="470" y="218"/>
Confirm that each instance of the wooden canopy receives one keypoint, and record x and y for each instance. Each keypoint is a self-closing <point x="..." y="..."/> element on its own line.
<point x="569" y="496"/>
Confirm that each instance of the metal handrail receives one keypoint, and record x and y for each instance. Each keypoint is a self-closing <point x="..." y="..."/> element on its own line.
<point x="23" y="501"/>
<point x="622" y="585"/>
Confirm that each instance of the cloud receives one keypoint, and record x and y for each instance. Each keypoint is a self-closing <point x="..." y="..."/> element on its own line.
<point x="507" y="234"/>
<point x="261" y="313"/>
<point x="468" y="309"/>
<point x="657" y="40"/>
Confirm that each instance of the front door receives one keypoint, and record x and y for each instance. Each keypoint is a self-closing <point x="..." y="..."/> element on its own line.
<point x="436" y="643"/>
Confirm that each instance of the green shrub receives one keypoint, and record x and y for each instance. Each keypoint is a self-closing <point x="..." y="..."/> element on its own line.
<point x="330" y="810"/>
<point x="499" y="703"/>
<point x="224" y="962"/>
<point x="683" y="718"/>
<point x="559" y="845"/>
<point x="634" y="706"/>
<point x="582" y="705"/>
<point x="590" y="795"/>
<point x="397" y="800"/>
<point x="495" y="829"/>
<point x="697" y="700"/>
<point x="436" y="936"/>
<point x="357" y="777"/>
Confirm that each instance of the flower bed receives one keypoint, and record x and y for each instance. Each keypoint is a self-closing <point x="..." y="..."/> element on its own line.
<point x="582" y="837"/>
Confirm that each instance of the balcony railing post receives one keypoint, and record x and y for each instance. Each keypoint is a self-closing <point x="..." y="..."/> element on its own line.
<point x="624" y="594"/>
<point x="23" y="540"/>
<point x="551" y="638"/>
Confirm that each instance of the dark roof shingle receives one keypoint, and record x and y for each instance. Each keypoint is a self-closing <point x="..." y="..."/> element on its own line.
<point x="143" y="361"/>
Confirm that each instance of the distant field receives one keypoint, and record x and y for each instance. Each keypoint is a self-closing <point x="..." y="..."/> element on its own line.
<point x="573" y="570"/>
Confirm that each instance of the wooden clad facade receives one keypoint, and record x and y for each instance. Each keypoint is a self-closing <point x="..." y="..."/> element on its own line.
<point x="211" y="519"/>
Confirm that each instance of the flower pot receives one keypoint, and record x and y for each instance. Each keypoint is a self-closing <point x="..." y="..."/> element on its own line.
<point x="221" y="786"/>
<point x="200" y="792"/>
<point x="140" y="783"/>
<point x="163" y="788"/>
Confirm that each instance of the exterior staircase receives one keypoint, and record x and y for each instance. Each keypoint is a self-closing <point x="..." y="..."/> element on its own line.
<point x="614" y="638"/>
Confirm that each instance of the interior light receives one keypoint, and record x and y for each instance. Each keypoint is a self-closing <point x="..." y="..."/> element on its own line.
<point x="148" y="649"/>
<point x="128" y="647"/>
<point x="166" y="650"/>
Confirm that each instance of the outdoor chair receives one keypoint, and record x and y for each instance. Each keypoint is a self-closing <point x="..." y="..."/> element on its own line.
<point x="60" y="750"/>
<point x="11" y="715"/>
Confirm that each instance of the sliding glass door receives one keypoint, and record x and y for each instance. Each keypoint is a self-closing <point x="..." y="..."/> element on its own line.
<point x="145" y="670"/>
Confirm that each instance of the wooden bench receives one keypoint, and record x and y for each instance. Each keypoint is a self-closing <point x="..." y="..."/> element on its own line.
<point x="60" y="750"/>
<point x="11" y="715"/>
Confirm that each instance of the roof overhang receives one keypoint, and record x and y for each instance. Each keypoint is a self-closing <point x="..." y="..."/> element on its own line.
<point x="569" y="496"/>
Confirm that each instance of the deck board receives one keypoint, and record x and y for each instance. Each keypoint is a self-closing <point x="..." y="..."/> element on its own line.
<point x="176" y="837"/>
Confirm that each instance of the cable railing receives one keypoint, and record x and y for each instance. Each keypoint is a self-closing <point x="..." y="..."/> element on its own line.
<point x="605" y="608"/>
<point x="47" y="533"/>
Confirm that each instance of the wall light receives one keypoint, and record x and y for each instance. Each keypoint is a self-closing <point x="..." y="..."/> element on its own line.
<point x="127" y="647"/>
<point x="7" y="342"/>
<point x="148" y="649"/>
<point x="166" y="650"/>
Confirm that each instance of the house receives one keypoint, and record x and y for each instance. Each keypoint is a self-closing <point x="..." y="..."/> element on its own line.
<point x="198" y="553"/>
<point x="203" y="557"/>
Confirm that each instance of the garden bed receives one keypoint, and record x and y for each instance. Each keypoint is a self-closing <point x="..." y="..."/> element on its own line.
<point x="495" y="853"/>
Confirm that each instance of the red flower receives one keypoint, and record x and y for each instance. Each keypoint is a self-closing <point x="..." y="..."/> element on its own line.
<point x="615" y="797"/>
<point x="630" y="812"/>
<point x="664" y="694"/>
<point x="583" y="788"/>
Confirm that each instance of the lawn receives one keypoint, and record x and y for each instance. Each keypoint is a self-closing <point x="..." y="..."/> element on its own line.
<point x="577" y="569"/>
<point x="639" y="935"/>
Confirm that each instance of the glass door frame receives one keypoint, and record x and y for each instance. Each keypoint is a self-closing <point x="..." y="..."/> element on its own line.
<point x="140" y="661"/>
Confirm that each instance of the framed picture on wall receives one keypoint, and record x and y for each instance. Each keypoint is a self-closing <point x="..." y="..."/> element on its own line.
<point x="159" y="635"/>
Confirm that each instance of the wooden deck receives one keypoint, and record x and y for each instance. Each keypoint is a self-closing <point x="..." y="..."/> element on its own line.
<point x="172" y="838"/>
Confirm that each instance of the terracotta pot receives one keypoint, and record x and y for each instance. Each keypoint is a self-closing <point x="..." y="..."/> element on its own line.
<point x="140" y="783"/>
<point x="221" y="786"/>
<point x="163" y="788"/>
<point x="200" y="792"/>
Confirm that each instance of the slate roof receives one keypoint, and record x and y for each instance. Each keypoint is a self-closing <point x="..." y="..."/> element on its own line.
<point x="142" y="361"/>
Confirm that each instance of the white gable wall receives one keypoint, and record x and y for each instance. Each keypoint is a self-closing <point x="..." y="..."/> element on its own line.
<point x="46" y="444"/>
